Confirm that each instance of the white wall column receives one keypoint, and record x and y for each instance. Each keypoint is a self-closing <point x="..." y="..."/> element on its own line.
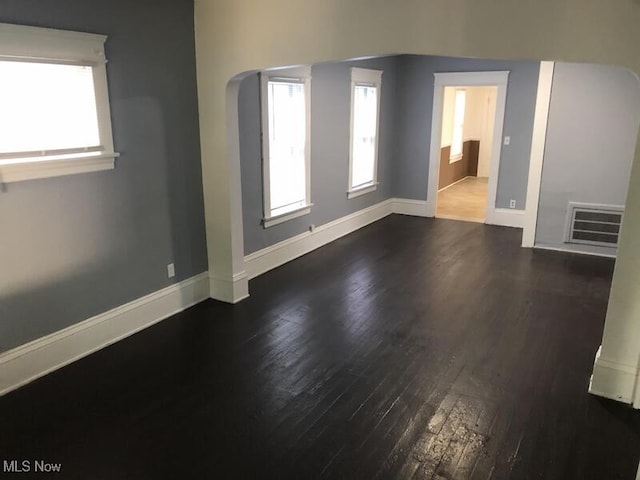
<point x="616" y="368"/>
<point x="538" y="141"/>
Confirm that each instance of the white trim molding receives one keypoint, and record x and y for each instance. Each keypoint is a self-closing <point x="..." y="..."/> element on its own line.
<point x="415" y="208"/>
<point x="231" y="289"/>
<point x="262" y="261"/>
<point x="268" y="258"/>
<point x="363" y="190"/>
<point x="278" y="219"/>
<point x="538" y="142"/>
<point x="498" y="79"/>
<point x="507" y="217"/>
<point x="35" y="359"/>
<point x="613" y="380"/>
<point x="17" y="172"/>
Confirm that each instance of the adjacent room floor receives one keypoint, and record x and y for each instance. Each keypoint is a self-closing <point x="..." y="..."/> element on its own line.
<point x="413" y="348"/>
<point x="465" y="200"/>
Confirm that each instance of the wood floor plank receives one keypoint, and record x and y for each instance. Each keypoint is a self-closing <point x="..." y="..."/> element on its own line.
<point x="413" y="348"/>
<point x="466" y="199"/>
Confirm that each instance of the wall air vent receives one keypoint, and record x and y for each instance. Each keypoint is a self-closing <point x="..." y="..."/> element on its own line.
<point x="593" y="224"/>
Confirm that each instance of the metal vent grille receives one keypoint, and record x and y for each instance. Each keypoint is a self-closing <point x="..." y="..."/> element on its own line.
<point x="594" y="224"/>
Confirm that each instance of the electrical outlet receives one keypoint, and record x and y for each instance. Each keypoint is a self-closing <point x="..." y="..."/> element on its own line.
<point x="512" y="204"/>
<point x="507" y="140"/>
<point x="171" y="270"/>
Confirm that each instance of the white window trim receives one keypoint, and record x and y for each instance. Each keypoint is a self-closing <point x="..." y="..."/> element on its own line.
<point x="301" y="74"/>
<point x="278" y="219"/>
<point x="64" y="47"/>
<point x="362" y="190"/>
<point x="364" y="76"/>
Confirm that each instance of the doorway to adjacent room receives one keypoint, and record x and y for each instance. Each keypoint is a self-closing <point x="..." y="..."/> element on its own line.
<point x="468" y="119"/>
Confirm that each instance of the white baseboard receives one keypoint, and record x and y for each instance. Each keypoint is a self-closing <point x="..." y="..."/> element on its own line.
<point x="405" y="206"/>
<point x="461" y="219"/>
<point x="507" y="217"/>
<point x="229" y="290"/>
<point x="613" y="380"/>
<point x="452" y="184"/>
<point x="262" y="261"/>
<point x="28" y="362"/>
<point x="569" y="250"/>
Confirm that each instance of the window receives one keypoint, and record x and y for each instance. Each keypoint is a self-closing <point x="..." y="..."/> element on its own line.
<point x="54" y="114"/>
<point x="285" y="144"/>
<point x="365" y="107"/>
<point x="458" y="126"/>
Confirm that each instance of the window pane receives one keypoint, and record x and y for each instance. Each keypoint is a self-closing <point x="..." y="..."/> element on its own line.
<point x="46" y="107"/>
<point x="458" y="123"/>
<point x="287" y="140"/>
<point x="365" y="123"/>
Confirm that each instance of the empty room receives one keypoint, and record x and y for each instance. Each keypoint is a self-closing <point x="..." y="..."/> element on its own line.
<point x="319" y="240"/>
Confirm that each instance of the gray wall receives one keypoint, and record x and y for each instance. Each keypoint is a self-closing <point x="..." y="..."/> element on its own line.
<point x="72" y="247"/>
<point x="330" y="120"/>
<point x="413" y="126"/>
<point x="591" y="135"/>
<point x="405" y="134"/>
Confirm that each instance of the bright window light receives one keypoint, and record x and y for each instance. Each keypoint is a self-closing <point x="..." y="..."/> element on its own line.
<point x="286" y="151"/>
<point x="458" y="125"/>
<point x="365" y="109"/>
<point x="54" y="103"/>
<point x="46" y="107"/>
<point x="287" y="141"/>
<point x="365" y="132"/>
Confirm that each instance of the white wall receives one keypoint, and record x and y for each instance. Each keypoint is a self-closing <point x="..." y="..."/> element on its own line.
<point x="480" y="112"/>
<point x="487" y="114"/>
<point x="479" y="117"/>
<point x="473" y="114"/>
<point x="448" y="107"/>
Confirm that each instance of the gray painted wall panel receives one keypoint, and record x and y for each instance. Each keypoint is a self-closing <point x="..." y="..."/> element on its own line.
<point x="593" y="122"/>
<point x="76" y="246"/>
<point x="405" y="132"/>
<point x="330" y="121"/>
<point x="413" y="127"/>
<point x="413" y="133"/>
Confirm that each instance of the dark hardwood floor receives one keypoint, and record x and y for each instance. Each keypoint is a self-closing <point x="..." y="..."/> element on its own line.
<point x="413" y="348"/>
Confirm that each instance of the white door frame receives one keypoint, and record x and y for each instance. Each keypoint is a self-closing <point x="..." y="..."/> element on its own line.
<point x="498" y="79"/>
<point x="538" y="142"/>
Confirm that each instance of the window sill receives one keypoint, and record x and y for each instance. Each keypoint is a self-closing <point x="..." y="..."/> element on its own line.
<point x="298" y="212"/>
<point x="34" y="169"/>
<point x="356" y="192"/>
<point x="455" y="158"/>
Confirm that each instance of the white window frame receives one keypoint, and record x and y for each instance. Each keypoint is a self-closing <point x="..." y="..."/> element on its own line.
<point x="458" y="156"/>
<point x="370" y="78"/>
<point x="302" y="75"/>
<point x="45" y="45"/>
